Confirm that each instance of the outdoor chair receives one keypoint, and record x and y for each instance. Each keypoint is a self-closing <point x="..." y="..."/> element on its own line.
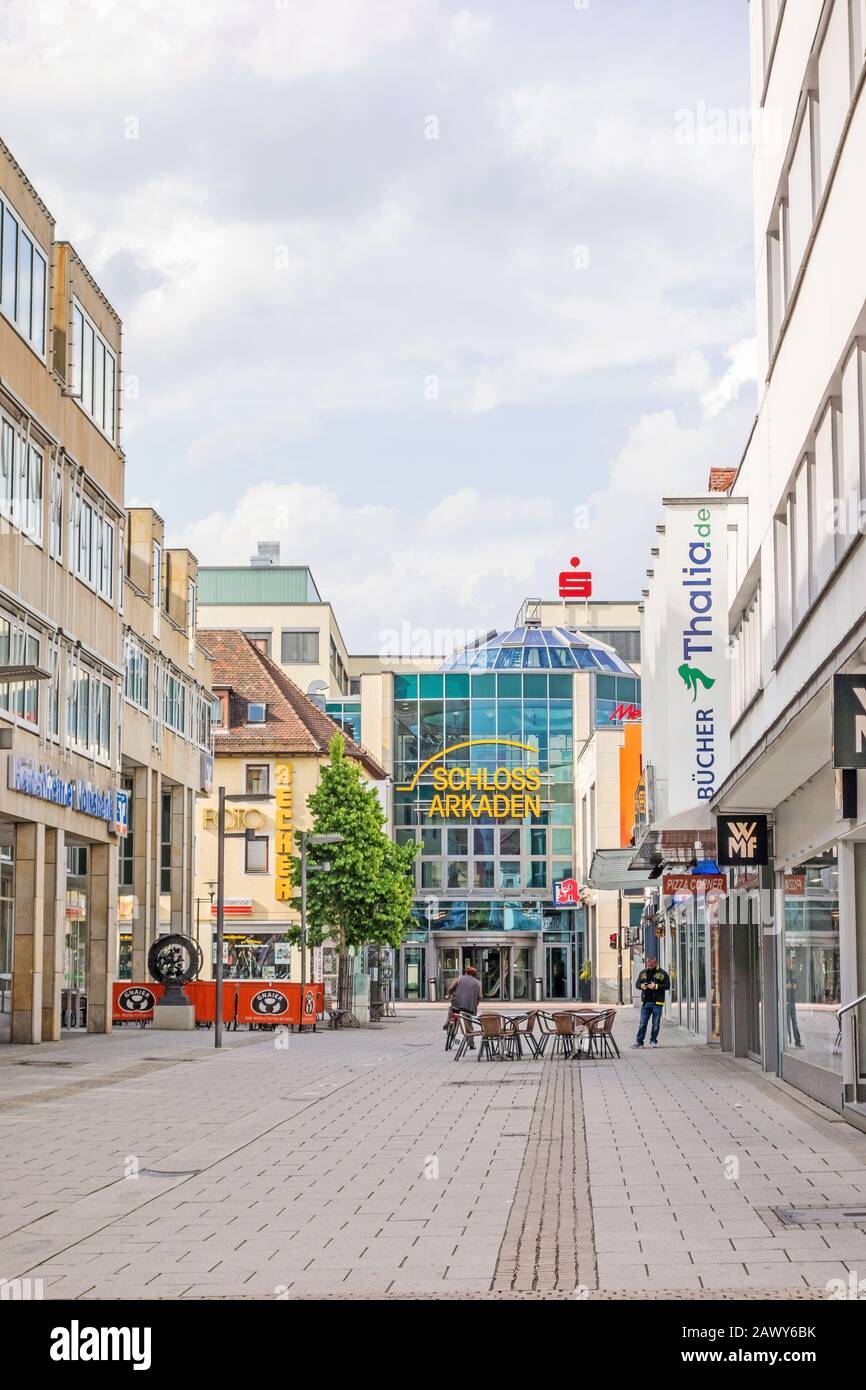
<point x="497" y="1039"/>
<point x="600" y="1039"/>
<point x="470" y="1028"/>
<point x="563" y="1042"/>
<point x="523" y="1027"/>
<point x="546" y="1031"/>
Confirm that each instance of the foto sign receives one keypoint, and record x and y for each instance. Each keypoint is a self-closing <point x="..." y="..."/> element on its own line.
<point x="849" y="721"/>
<point x="743" y="840"/>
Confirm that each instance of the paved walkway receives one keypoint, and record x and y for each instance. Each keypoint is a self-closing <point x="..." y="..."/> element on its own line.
<point x="368" y="1163"/>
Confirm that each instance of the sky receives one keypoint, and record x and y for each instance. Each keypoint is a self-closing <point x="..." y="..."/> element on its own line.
<point x="436" y="295"/>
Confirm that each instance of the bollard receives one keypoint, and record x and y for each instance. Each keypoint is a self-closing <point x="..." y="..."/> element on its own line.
<point x="539" y="985"/>
<point x="431" y="990"/>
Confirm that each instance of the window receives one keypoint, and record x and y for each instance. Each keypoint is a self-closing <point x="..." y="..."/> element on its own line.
<point x="834" y="87"/>
<point x="746" y="658"/>
<point x="18" y="647"/>
<point x="219" y="712"/>
<point x="301" y="646"/>
<point x="782" y="554"/>
<point x="22" y="279"/>
<point x="256" y="854"/>
<point x="165" y="844"/>
<point x="801" y="532"/>
<point x="257" y="780"/>
<point x="203" y="713"/>
<point x="55" y="513"/>
<point x="174" y="703"/>
<point x="21" y="478"/>
<point x="256" y="713"/>
<point x="136" y="682"/>
<point x="824" y="501"/>
<point x="858" y="38"/>
<point x="852" y="485"/>
<point x="801" y="191"/>
<point x="93" y="547"/>
<point x="94" y="371"/>
<point x="770" y="17"/>
<point x="88" y="712"/>
<point x="126" y="844"/>
<point x="261" y="640"/>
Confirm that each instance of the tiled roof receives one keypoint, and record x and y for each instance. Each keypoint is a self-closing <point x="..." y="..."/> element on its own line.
<point x="721" y="479"/>
<point x="293" y="723"/>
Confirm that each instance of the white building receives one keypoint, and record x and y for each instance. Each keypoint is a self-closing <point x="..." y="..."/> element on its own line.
<point x="798" y="603"/>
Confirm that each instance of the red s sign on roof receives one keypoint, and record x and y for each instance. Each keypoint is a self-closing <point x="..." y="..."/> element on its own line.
<point x="575" y="583"/>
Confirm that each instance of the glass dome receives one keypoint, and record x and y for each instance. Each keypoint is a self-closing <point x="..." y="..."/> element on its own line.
<point x="538" y="649"/>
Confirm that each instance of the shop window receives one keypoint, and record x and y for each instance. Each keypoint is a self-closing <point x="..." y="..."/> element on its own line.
<point x="256" y="854"/>
<point x="812" y="981"/>
<point x="126" y="847"/>
<point x="258" y="778"/>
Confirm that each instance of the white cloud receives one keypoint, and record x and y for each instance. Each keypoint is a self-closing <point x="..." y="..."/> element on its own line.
<point x="743" y="370"/>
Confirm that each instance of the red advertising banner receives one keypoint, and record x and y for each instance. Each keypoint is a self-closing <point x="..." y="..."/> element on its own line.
<point x="268" y="1001"/>
<point x="675" y="884"/>
<point x="202" y="993"/>
<point x="132" y="1003"/>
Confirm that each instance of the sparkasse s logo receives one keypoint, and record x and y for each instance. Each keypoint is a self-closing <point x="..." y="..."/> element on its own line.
<point x="77" y="1343"/>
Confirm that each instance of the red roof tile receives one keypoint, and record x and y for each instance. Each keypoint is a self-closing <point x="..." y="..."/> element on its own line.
<point x="294" y="724"/>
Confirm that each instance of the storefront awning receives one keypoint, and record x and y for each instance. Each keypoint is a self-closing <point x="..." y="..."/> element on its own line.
<point x="679" y="839"/>
<point x="610" y="871"/>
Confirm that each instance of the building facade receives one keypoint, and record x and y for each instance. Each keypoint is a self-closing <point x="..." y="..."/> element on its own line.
<point x="66" y="610"/>
<point x="798" y="616"/>
<point x="764" y="968"/>
<point x="270" y="741"/>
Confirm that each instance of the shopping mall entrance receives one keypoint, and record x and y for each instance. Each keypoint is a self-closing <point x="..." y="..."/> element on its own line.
<point x="505" y="971"/>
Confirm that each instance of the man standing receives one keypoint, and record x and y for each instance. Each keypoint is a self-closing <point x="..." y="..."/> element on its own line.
<point x="653" y="984"/>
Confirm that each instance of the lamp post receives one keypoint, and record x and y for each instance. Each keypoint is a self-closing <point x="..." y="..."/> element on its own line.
<point x="305" y="839"/>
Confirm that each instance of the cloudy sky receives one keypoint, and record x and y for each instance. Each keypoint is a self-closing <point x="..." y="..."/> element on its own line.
<point x="437" y="295"/>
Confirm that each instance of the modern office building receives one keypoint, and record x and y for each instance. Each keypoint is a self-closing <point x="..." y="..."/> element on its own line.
<point x="270" y="741"/>
<point x="68" y="602"/>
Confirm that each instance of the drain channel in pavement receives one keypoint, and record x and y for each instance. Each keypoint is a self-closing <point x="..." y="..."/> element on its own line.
<point x="169" y="1172"/>
<point x="820" y="1216"/>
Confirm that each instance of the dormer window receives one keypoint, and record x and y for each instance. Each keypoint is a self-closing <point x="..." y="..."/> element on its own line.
<point x="256" y="713"/>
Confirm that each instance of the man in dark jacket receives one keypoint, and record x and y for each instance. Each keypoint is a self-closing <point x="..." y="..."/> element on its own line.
<point x="653" y="984"/>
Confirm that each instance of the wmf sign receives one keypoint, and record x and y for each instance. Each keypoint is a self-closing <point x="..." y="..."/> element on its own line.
<point x="743" y="841"/>
<point x="849" y="721"/>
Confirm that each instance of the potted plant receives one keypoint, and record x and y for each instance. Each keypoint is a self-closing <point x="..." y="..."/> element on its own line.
<point x="585" y="981"/>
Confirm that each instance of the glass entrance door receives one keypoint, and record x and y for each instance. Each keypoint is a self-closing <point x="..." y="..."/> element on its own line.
<point x="558" y="972"/>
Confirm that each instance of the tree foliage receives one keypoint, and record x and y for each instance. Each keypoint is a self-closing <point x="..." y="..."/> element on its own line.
<point x="367" y="893"/>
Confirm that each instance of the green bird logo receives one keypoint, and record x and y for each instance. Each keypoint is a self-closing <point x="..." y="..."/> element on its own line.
<point x="691" y="676"/>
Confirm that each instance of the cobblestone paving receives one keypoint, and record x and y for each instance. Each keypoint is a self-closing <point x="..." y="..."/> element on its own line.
<point x="369" y="1164"/>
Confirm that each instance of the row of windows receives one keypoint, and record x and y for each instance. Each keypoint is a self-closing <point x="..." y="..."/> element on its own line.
<point x="94" y="371"/>
<point x="490" y="873"/>
<point x="298" y="646"/>
<point x="347" y="715"/>
<point x="746" y="658"/>
<point x="18" y="647"/>
<point x="185" y="709"/>
<point x="22" y="279"/>
<point x="488" y="840"/>
<point x="827" y="100"/>
<point x="460" y="686"/>
<point x="820" y="516"/>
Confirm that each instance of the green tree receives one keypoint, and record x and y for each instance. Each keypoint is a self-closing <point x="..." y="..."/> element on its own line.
<point x="367" y="893"/>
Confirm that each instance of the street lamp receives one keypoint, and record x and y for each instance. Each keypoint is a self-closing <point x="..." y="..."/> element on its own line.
<point x="305" y="839"/>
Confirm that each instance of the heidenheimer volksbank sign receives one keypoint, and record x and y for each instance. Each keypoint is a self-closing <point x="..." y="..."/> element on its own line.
<point x="74" y="794"/>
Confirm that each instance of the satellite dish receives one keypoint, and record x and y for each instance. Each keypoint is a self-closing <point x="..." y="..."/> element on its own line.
<point x="317" y="692"/>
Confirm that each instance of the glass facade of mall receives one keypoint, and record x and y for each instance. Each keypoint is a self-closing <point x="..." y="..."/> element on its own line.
<point x="485" y="881"/>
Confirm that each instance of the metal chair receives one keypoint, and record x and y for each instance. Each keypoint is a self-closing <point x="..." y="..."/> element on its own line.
<point x="599" y="1032"/>
<point x="470" y="1029"/>
<point x="546" y="1031"/>
<point x="523" y="1027"/>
